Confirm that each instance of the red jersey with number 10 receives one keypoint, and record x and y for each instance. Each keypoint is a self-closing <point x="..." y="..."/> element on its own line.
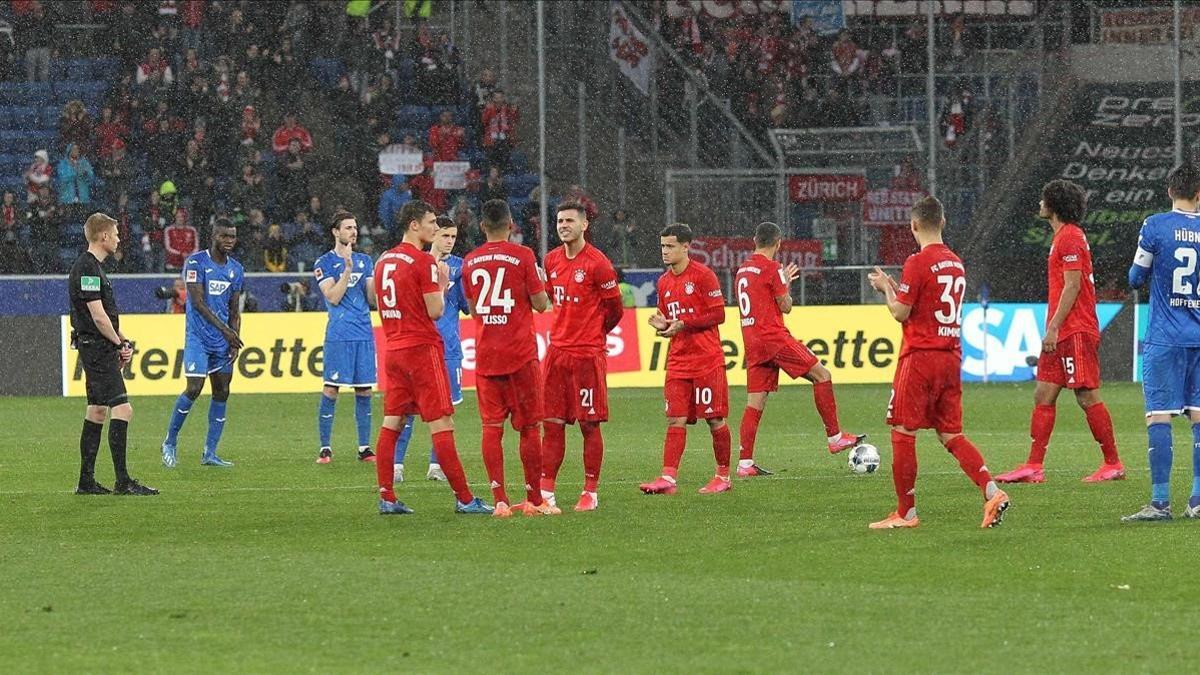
<point x="688" y="296"/>
<point x="498" y="278"/>
<point x="577" y="285"/>
<point x="759" y="281"/>
<point x="933" y="283"/>
<point x="1070" y="252"/>
<point x="403" y="276"/>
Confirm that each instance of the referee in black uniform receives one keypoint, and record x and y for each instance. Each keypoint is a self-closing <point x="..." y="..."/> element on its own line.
<point x="96" y="333"/>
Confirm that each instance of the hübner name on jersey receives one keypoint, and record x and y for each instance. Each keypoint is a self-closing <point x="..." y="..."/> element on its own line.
<point x="1186" y="303"/>
<point x="494" y="319"/>
<point x="943" y="264"/>
<point x="1189" y="236"/>
<point x="499" y="257"/>
<point x="748" y="321"/>
<point x="391" y="314"/>
<point x="949" y="331"/>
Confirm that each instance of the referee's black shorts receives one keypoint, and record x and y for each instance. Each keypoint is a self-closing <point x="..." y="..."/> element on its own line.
<point x="102" y="373"/>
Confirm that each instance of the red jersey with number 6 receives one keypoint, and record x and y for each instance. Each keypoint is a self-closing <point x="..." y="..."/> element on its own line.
<point x="933" y="283"/>
<point x="759" y="281"/>
<point x="1070" y="252"/>
<point x="693" y="297"/>
<point x="403" y="276"/>
<point x="498" y="278"/>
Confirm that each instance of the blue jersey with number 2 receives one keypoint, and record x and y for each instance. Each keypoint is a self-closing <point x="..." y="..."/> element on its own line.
<point x="1168" y="260"/>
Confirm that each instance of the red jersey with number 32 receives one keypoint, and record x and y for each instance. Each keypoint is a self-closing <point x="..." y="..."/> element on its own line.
<point x="403" y="276"/>
<point x="1070" y="252"/>
<point x="690" y="295"/>
<point x="933" y="283"/>
<point x="759" y="281"/>
<point x="577" y="285"/>
<point x="498" y="278"/>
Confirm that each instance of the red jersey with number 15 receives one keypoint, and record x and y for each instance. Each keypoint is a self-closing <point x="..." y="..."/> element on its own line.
<point x="498" y="278"/>
<point x="577" y="285"/>
<point x="933" y="283"/>
<point x="689" y="296"/>
<point x="1070" y="252"/>
<point x="759" y="281"/>
<point x="403" y="276"/>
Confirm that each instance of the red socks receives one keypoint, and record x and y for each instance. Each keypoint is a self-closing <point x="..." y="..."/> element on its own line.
<point x="1100" y="422"/>
<point x="531" y="463"/>
<point x="554" y="447"/>
<point x="593" y="454"/>
<point x="673" y="450"/>
<point x="1040" y="428"/>
<point x="443" y="445"/>
<point x="493" y="461"/>
<point x="722" y="440"/>
<point x="904" y="471"/>
<point x="748" y="432"/>
<point x="385" y="454"/>
<point x="827" y="407"/>
<point x="970" y="461"/>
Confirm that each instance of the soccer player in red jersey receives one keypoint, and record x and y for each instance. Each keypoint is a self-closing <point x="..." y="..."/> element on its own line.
<point x="409" y="287"/>
<point x="690" y="307"/>
<point x="504" y="288"/>
<point x="587" y="305"/>
<point x="927" y="388"/>
<point x="763" y="298"/>
<point x="1070" y="351"/>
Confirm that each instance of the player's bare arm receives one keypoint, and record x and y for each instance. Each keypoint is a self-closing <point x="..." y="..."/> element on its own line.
<point x="1072" y="284"/>
<point x="96" y="309"/>
<point x="235" y="323"/>
<point x="885" y="284"/>
<point x="334" y="291"/>
<point x="790" y="273"/>
<point x="435" y="305"/>
<point x="540" y="301"/>
<point x="196" y="295"/>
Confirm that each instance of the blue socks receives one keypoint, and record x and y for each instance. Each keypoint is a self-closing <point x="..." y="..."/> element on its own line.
<point x="403" y="439"/>
<point x="362" y="416"/>
<point x="216" y="425"/>
<point x="1195" y="498"/>
<point x="1160" y="463"/>
<point x="432" y="456"/>
<point x="325" y="419"/>
<point x="183" y="405"/>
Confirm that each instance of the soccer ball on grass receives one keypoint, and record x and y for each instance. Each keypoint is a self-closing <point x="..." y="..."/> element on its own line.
<point x="863" y="459"/>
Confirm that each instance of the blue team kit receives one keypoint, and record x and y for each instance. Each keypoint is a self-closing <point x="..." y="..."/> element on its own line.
<point x="205" y="349"/>
<point x="349" y="339"/>
<point x="447" y="325"/>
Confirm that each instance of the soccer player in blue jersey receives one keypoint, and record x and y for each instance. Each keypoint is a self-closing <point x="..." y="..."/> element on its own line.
<point x="345" y="278"/>
<point x="456" y="303"/>
<point x="211" y="343"/>
<point x="1166" y="260"/>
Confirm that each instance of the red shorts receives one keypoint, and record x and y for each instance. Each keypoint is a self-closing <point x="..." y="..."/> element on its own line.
<point x="1074" y="364"/>
<point x="575" y="387"/>
<point x="927" y="392"/>
<point x="518" y="394"/>
<point x="417" y="383"/>
<point x="698" y="398"/>
<point x="793" y="358"/>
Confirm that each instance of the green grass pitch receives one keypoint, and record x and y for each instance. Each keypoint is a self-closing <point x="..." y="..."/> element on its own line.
<point x="281" y="564"/>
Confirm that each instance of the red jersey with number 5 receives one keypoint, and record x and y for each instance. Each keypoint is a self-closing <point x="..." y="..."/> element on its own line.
<point x="577" y="286"/>
<point x="498" y="278"/>
<point x="759" y="281"/>
<point x="933" y="283"/>
<point x="1070" y="252"/>
<point x="695" y="298"/>
<point x="403" y="276"/>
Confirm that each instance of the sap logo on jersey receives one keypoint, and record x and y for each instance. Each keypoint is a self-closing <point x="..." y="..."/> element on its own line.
<point x="354" y="277"/>
<point x="218" y="287"/>
<point x="1012" y="333"/>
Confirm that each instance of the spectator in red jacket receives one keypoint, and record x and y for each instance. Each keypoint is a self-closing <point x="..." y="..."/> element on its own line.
<point x="37" y="175"/>
<point x="180" y="240"/>
<point x="446" y="138"/>
<point x="422" y="188"/>
<point x="290" y="130"/>
<point x="499" y="130"/>
<point x="155" y="70"/>
<point x="109" y="131"/>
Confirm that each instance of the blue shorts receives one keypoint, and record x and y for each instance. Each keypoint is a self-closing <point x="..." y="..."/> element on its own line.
<point x="350" y="364"/>
<point x="199" y="360"/>
<point x="1170" y="379"/>
<point x="454" y="370"/>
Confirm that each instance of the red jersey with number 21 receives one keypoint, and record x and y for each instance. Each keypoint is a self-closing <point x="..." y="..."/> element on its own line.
<point x="1070" y="252"/>
<point x="933" y="283"/>
<point x="498" y="279"/>
<point x="759" y="281"/>
<point x="403" y="276"/>
<point x="690" y="295"/>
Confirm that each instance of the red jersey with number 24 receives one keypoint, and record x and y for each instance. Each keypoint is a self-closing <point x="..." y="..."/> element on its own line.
<point x="759" y="281"/>
<point x="691" y="295"/>
<point x="577" y="285"/>
<point x="933" y="283"/>
<point x="1070" y="252"/>
<point x="403" y="276"/>
<point x="498" y="278"/>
